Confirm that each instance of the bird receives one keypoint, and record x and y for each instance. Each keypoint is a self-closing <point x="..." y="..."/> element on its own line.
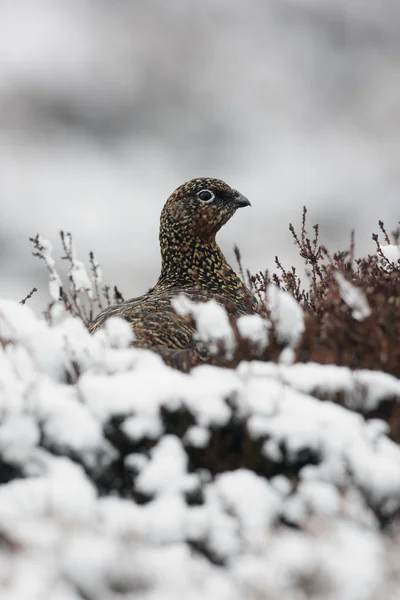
<point x="192" y="264"/>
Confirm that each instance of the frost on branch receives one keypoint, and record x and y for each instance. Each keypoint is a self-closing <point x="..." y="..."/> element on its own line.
<point x="43" y="249"/>
<point x="76" y="269"/>
<point x="83" y="296"/>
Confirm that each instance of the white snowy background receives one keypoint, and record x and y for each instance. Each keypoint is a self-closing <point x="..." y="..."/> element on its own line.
<point x="106" y="107"/>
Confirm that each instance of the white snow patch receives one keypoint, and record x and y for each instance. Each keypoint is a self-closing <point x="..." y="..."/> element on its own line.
<point x="167" y="470"/>
<point x="255" y="329"/>
<point x="285" y="314"/>
<point x="119" y="332"/>
<point x="212" y="323"/>
<point x="353" y="297"/>
<point x="197" y="436"/>
<point x="312" y="498"/>
<point x="251" y="498"/>
<point x="361" y="389"/>
<point x="19" y="436"/>
<point x="63" y="492"/>
<point x="55" y="282"/>
<point x="66" y="423"/>
<point x="76" y="269"/>
<point x="139" y="427"/>
<point x="282" y="484"/>
<point x="295" y="562"/>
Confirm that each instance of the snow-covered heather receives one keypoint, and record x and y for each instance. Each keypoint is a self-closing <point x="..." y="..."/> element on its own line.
<point x="285" y="314"/>
<point x="212" y="323"/>
<point x="361" y="390"/>
<point x="76" y="269"/>
<point x="122" y="478"/>
<point x="55" y="283"/>
<point x="214" y="331"/>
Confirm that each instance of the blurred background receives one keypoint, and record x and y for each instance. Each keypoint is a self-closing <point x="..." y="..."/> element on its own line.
<point x="106" y="107"/>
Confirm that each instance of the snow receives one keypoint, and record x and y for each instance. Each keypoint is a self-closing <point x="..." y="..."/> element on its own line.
<point x="19" y="436"/>
<point x="197" y="436"/>
<point x="301" y="424"/>
<point x="119" y="332"/>
<point x="55" y="282"/>
<point x="345" y="562"/>
<point x="213" y="328"/>
<point x="250" y="498"/>
<point x="392" y="254"/>
<point x="361" y="389"/>
<point x="212" y="323"/>
<point x="285" y="314"/>
<point x="136" y="428"/>
<point x="76" y="269"/>
<point x="255" y="329"/>
<point x="353" y="297"/>
<point x="121" y="476"/>
<point x="166" y="470"/>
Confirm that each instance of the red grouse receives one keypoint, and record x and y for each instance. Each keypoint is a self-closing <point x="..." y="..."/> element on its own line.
<point x="192" y="264"/>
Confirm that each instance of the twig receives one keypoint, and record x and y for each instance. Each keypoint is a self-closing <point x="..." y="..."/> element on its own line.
<point x="33" y="290"/>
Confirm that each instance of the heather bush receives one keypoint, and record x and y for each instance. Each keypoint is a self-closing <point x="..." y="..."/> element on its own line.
<point x="351" y="305"/>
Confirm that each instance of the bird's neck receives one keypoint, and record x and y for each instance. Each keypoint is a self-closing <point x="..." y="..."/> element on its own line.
<point x="194" y="262"/>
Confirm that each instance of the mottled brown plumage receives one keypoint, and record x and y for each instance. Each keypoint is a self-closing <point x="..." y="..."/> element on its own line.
<point x="193" y="264"/>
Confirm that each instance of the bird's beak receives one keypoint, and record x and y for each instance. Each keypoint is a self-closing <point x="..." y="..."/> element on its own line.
<point x="240" y="201"/>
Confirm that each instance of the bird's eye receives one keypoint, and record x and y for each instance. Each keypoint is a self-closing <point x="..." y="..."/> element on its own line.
<point x="206" y="196"/>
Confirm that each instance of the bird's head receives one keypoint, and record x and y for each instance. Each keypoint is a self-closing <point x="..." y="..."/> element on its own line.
<point x="200" y="207"/>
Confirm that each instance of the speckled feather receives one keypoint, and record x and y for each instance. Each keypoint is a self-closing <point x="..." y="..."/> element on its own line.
<point x="193" y="264"/>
